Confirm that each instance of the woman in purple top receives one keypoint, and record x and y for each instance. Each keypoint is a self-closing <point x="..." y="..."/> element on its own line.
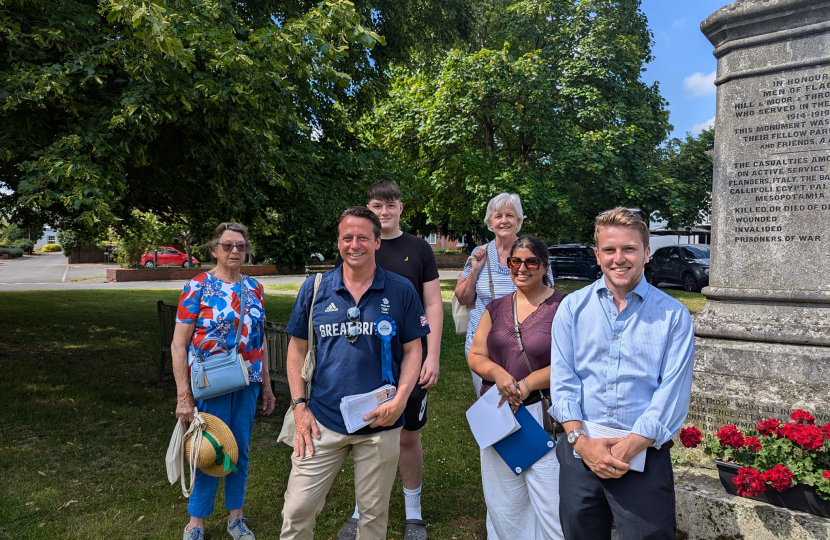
<point x="525" y="506"/>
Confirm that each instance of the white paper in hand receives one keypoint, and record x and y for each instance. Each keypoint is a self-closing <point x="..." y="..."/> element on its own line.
<point x="598" y="431"/>
<point x="489" y="422"/>
<point x="354" y="407"/>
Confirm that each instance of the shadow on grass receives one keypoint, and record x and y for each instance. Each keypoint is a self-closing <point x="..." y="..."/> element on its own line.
<point x="84" y="430"/>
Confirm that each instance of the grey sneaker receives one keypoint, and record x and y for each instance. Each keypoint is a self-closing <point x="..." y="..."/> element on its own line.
<point x="239" y="530"/>
<point x="348" y="531"/>
<point x="196" y="533"/>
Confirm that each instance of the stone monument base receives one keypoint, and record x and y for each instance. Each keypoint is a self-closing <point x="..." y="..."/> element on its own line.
<point x="706" y="512"/>
<point x="741" y="382"/>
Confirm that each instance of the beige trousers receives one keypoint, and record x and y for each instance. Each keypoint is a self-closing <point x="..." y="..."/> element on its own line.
<point x="375" y="465"/>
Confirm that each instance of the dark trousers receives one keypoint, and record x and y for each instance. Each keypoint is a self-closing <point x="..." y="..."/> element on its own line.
<point x="641" y="504"/>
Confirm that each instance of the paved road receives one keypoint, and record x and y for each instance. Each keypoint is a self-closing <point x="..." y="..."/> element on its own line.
<point x="50" y="271"/>
<point x="46" y="269"/>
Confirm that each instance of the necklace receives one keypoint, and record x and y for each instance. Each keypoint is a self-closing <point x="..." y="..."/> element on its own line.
<point x="545" y="296"/>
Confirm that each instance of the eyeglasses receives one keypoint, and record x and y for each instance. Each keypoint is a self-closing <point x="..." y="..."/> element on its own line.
<point x="532" y="263"/>
<point x="228" y="247"/>
<point x="354" y="316"/>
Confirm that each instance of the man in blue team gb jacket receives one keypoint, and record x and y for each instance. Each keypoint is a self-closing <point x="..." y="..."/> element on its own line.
<point x="622" y="357"/>
<point x="368" y="325"/>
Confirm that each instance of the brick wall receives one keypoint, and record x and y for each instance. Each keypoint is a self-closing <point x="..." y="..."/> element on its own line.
<point x="174" y="273"/>
<point x="451" y="260"/>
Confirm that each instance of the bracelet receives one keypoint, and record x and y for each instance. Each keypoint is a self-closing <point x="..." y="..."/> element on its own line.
<point x="527" y="385"/>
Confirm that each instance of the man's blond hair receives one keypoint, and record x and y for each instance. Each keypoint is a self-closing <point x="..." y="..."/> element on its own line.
<point x="621" y="217"/>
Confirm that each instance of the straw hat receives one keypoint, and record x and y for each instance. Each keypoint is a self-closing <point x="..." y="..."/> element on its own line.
<point x="206" y="460"/>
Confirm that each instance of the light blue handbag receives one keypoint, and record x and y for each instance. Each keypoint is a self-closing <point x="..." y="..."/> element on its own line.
<point x="223" y="372"/>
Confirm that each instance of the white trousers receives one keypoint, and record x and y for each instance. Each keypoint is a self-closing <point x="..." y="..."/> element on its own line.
<point x="524" y="506"/>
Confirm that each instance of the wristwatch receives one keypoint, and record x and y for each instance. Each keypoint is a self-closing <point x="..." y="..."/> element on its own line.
<point x="298" y="401"/>
<point x="574" y="435"/>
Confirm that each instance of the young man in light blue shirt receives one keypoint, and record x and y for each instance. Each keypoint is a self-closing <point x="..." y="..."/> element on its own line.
<point x="622" y="356"/>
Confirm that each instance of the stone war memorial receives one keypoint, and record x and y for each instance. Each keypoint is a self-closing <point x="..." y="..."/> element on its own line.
<point x="763" y="338"/>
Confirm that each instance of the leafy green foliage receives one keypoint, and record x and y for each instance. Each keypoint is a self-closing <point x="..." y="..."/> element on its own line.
<point x="681" y="192"/>
<point x="545" y="101"/>
<point x="171" y="105"/>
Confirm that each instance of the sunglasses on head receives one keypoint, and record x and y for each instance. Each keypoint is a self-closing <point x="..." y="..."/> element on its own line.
<point x="354" y="316"/>
<point x="532" y="263"/>
<point x="228" y="247"/>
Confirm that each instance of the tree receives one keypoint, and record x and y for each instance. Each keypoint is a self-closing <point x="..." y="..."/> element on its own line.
<point x="681" y="192"/>
<point x="119" y="105"/>
<point x="545" y="101"/>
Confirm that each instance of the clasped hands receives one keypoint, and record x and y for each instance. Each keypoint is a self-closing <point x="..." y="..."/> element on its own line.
<point x="610" y="458"/>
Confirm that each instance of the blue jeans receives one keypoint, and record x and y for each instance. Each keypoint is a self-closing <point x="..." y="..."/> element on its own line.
<point x="237" y="410"/>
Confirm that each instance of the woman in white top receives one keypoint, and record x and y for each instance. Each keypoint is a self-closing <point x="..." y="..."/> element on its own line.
<point x="504" y="217"/>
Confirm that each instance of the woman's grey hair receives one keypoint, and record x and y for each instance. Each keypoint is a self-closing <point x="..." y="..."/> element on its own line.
<point x="227" y="226"/>
<point x="498" y="203"/>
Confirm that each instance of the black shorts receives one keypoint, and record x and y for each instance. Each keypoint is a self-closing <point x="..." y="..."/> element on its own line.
<point x="415" y="413"/>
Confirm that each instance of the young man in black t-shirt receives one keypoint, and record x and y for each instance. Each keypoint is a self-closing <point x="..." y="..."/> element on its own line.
<point x="411" y="257"/>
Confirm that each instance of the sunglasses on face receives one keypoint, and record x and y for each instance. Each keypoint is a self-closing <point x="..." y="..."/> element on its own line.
<point x="532" y="263"/>
<point x="228" y="247"/>
<point x="354" y="316"/>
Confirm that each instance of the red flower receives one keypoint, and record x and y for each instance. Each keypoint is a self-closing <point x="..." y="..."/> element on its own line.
<point x="810" y="437"/>
<point x="802" y="417"/>
<point x="826" y="474"/>
<point x="749" y="482"/>
<point x="690" y="437"/>
<point x="826" y="430"/>
<point x="769" y="426"/>
<point x="752" y="443"/>
<point x="779" y="477"/>
<point x="730" y="436"/>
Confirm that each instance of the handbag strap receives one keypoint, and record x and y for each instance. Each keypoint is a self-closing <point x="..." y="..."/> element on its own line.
<point x="311" y="356"/>
<point x="519" y="336"/>
<point x="490" y="271"/>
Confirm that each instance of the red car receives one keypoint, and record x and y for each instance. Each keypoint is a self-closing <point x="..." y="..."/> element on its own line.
<point x="168" y="256"/>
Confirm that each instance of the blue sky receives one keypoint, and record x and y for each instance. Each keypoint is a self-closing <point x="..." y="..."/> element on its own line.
<point x="683" y="62"/>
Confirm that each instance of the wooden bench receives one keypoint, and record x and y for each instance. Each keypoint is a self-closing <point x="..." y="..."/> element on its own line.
<point x="275" y="339"/>
<point x="318" y="268"/>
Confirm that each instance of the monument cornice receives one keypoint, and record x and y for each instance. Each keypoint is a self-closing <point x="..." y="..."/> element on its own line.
<point x="749" y="24"/>
<point x="767" y="295"/>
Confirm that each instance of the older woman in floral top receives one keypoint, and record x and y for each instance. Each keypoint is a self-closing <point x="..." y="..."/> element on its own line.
<point x="206" y="321"/>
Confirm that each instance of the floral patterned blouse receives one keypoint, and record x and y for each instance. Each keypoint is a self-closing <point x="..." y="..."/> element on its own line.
<point x="213" y="305"/>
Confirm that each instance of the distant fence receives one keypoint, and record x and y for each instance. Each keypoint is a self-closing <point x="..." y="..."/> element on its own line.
<point x="89" y="254"/>
<point x="276" y="340"/>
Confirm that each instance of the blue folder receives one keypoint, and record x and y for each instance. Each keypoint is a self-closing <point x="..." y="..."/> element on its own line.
<point x="525" y="446"/>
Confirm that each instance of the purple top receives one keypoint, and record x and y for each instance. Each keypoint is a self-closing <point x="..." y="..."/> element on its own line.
<point x="503" y="346"/>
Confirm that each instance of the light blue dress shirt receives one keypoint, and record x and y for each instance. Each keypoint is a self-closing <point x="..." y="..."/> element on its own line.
<point x="630" y="370"/>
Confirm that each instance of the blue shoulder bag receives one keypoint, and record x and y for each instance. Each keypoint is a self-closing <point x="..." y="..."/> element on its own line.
<point x="223" y="372"/>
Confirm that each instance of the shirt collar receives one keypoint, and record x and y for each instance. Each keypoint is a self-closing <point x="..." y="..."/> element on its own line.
<point x="379" y="281"/>
<point x="641" y="290"/>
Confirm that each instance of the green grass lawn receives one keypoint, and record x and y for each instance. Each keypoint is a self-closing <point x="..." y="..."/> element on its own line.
<point x="84" y="429"/>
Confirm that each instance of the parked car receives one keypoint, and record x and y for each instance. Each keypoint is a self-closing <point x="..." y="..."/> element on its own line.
<point x="168" y="256"/>
<point x="574" y="260"/>
<point x="686" y="265"/>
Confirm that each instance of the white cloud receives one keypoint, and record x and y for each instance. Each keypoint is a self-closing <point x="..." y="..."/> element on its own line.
<point x="679" y="23"/>
<point x="697" y="128"/>
<point x="699" y="84"/>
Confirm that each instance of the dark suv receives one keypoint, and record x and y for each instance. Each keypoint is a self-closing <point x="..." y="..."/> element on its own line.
<point x="680" y="265"/>
<point x="574" y="260"/>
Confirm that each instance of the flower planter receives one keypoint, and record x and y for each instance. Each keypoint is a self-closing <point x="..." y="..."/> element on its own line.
<point x="800" y="497"/>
